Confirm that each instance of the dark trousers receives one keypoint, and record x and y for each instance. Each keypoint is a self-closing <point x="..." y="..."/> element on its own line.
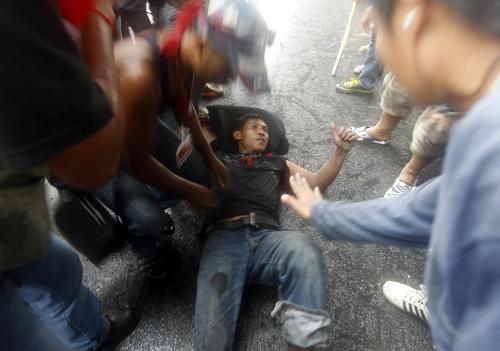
<point x="141" y="206"/>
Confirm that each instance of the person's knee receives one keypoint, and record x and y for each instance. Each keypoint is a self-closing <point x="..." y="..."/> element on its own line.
<point x="66" y="265"/>
<point x="304" y="255"/>
<point x="146" y="220"/>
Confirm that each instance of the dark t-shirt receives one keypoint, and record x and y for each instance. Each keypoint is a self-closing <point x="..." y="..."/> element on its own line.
<point x="254" y="187"/>
<point x="48" y="102"/>
<point x="48" y="98"/>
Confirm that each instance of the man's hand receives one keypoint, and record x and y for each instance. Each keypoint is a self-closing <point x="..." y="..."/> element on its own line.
<point x="304" y="197"/>
<point x="220" y="172"/>
<point x="343" y="138"/>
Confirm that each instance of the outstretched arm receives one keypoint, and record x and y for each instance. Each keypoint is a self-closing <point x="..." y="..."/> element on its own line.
<point x="404" y="220"/>
<point x="344" y="139"/>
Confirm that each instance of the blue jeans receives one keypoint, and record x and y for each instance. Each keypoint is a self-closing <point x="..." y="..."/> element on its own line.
<point x="371" y="65"/>
<point x="20" y="328"/>
<point x="289" y="260"/>
<point x="52" y="286"/>
<point x="141" y="206"/>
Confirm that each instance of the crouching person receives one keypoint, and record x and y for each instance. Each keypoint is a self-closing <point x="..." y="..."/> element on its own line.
<point x="245" y="244"/>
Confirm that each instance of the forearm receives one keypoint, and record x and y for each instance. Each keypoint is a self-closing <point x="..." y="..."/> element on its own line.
<point x="199" y="141"/>
<point x="406" y="220"/>
<point x="329" y="171"/>
<point x="149" y="170"/>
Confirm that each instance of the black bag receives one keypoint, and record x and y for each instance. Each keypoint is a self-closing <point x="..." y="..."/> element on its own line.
<point x="88" y="225"/>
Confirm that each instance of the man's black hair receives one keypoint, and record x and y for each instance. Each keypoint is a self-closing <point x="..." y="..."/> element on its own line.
<point x="240" y="122"/>
<point x="483" y="14"/>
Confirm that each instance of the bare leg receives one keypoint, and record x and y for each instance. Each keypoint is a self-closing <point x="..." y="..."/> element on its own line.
<point x="413" y="168"/>
<point x="384" y="127"/>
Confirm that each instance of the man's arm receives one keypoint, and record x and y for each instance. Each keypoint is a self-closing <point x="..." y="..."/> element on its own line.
<point x="344" y="139"/>
<point x="141" y="96"/>
<point x="201" y="144"/>
<point x="94" y="161"/>
<point x="405" y="220"/>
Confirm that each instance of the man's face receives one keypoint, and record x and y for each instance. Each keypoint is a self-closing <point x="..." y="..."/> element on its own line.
<point x="410" y="46"/>
<point x="253" y="137"/>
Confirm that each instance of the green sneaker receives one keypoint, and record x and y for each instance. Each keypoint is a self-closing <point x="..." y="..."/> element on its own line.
<point x="353" y="86"/>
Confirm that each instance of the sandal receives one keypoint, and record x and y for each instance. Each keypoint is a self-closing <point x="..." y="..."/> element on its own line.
<point x="364" y="136"/>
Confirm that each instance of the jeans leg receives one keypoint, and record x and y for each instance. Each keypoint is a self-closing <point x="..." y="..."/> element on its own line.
<point x="221" y="281"/>
<point x="371" y="65"/>
<point x="292" y="261"/>
<point x="20" y="328"/>
<point x="142" y="215"/>
<point x="52" y="286"/>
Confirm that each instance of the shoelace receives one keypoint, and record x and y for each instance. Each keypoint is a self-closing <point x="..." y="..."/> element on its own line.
<point x="402" y="186"/>
<point x="417" y="297"/>
<point x="352" y="83"/>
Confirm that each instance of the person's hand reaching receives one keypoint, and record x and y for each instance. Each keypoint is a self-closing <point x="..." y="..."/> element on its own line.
<point x="344" y="138"/>
<point x="304" y="197"/>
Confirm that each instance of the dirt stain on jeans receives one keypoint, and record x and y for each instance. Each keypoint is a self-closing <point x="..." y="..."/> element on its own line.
<point x="219" y="282"/>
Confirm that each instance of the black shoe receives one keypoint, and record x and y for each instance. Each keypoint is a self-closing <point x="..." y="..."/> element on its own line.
<point x="122" y="323"/>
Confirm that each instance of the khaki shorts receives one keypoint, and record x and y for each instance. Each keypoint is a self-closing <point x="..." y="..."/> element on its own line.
<point x="430" y="133"/>
<point x="395" y="100"/>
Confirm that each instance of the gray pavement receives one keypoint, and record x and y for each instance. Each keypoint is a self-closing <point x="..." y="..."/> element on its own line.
<point x="303" y="94"/>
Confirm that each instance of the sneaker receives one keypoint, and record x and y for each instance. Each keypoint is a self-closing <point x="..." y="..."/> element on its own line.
<point x="353" y="86"/>
<point x="399" y="187"/>
<point x="408" y="299"/>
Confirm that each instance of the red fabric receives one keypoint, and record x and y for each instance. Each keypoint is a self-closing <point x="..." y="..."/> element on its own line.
<point x="106" y="18"/>
<point x="185" y="18"/>
<point x="75" y="11"/>
<point x="248" y="160"/>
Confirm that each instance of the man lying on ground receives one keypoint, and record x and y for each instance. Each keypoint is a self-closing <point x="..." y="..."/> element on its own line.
<point x="245" y="244"/>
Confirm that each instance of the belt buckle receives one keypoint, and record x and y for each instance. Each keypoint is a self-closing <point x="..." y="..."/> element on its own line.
<point x="252" y="220"/>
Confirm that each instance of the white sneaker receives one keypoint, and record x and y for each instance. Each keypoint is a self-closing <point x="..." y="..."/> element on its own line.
<point x="399" y="187"/>
<point x="408" y="299"/>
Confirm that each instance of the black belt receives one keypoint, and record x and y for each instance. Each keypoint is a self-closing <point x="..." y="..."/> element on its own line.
<point x="253" y="219"/>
